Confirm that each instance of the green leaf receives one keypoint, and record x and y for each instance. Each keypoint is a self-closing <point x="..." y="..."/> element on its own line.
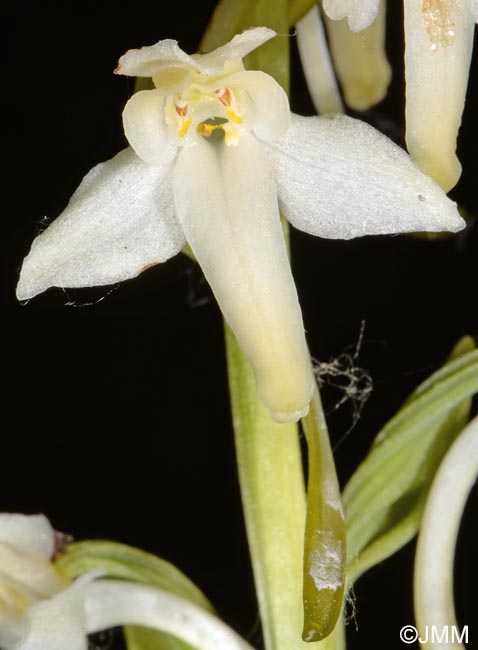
<point x="127" y="563"/>
<point x="298" y="9"/>
<point x="143" y="83"/>
<point x="139" y="638"/>
<point x="385" y="497"/>
<point x="229" y="18"/>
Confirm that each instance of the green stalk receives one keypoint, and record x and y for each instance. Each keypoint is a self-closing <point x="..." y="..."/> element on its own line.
<point x="298" y="9"/>
<point x="272" y="488"/>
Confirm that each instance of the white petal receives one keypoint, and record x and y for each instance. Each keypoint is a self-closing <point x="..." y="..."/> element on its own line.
<point x="227" y="205"/>
<point x="12" y="627"/>
<point x="26" y="573"/>
<point x="439" y="42"/>
<point x="58" y="623"/>
<point x="170" y="81"/>
<point x="27" y="578"/>
<point x="360" y="13"/>
<point x="145" y="127"/>
<point x="145" y="62"/>
<point x="120" y="220"/>
<point x="316" y="63"/>
<point x="361" y="61"/>
<point x="338" y="177"/>
<point x="28" y="534"/>
<point x="268" y="112"/>
<point x="237" y="48"/>
<point x="433" y="579"/>
<point x="148" y="61"/>
<point x="111" y="603"/>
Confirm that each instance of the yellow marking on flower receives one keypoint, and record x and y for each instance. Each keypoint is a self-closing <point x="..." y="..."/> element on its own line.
<point x="184" y="127"/>
<point x="439" y="23"/>
<point x="10" y="597"/>
<point x="206" y="129"/>
<point x="231" y="136"/>
<point x="234" y="116"/>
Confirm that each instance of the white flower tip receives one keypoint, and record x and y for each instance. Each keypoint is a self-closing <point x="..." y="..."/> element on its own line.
<point x="284" y="418"/>
<point x="245" y="42"/>
<point x="363" y="94"/>
<point x="445" y="171"/>
<point x="26" y="288"/>
<point x="288" y="397"/>
<point x="166" y="54"/>
<point x="445" y="212"/>
<point x="359" y="14"/>
<point x="28" y="534"/>
<point x="439" y="44"/>
<point x="35" y="276"/>
<point x="456" y="223"/>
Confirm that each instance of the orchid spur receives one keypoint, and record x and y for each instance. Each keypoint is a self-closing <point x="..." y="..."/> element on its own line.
<point x="215" y="152"/>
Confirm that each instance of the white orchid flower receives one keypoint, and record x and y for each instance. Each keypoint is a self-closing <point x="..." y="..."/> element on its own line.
<point x="359" y="57"/>
<point x="41" y="610"/>
<point x="438" y="47"/>
<point x="317" y="63"/>
<point x="333" y="177"/>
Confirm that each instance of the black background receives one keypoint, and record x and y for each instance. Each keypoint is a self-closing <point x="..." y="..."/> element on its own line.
<point x="116" y="415"/>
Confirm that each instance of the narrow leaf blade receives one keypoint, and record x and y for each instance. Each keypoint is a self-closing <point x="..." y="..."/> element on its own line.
<point x="385" y="497"/>
<point x="127" y="563"/>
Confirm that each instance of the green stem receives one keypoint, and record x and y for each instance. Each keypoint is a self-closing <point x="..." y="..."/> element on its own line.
<point x="298" y="9"/>
<point x="272" y="488"/>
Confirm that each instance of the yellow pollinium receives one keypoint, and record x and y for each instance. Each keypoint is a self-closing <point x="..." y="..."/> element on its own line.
<point x="207" y="129"/>
<point x="234" y="116"/>
<point x="185" y="124"/>
<point x="231" y="135"/>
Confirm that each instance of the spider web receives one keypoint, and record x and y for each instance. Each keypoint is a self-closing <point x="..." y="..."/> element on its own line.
<point x="343" y="374"/>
